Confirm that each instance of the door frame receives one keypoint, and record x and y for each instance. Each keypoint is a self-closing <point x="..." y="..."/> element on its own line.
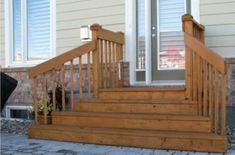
<point x="130" y="39"/>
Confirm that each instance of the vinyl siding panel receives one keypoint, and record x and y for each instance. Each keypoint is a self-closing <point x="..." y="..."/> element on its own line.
<point x="72" y="14"/>
<point x="2" y="35"/>
<point x="218" y="16"/>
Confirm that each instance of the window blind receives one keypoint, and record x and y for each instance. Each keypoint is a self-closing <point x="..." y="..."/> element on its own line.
<point x="38" y="26"/>
<point x="171" y="43"/>
<point x="17" y="31"/>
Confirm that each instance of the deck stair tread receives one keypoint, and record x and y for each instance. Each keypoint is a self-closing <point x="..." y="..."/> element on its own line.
<point x="135" y="101"/>
<point x="133" y="116"/>
<point x="139" y="132"/>
<point x="192" y="141"/>
<point x="142" y="89"/>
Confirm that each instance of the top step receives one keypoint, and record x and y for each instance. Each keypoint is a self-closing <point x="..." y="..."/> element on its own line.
<point x="146" y="93"/>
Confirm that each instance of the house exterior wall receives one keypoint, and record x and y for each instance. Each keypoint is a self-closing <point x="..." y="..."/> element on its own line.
<point x="72" y="14"/>
<point x="2" y="34"/>
<point x="218" y="16"/>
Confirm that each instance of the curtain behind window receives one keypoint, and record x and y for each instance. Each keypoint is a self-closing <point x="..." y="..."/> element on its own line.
<point x="38" y="26"/>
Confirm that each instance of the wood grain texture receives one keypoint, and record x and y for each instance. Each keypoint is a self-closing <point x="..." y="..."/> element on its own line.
<point x="71" y="85"/>
<point x="134" y="106"/>
<point x="63" y="58"/>
<point x="134" y="121"/>
<point x="206" y="53"/>
<point x="136" y="138"/>
<point x="35" y="99"/>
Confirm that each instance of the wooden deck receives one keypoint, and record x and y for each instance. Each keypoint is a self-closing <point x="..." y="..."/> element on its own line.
<point x="143" y="122"/>
<point x="190" y="117"/>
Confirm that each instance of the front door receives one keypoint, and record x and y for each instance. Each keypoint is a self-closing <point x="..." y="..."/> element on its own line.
<point x="166" y="43"/>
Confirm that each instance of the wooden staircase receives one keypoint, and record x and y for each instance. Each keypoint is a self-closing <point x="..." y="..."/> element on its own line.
<point x="177" y="117"/>
<point x="142" y="122"/>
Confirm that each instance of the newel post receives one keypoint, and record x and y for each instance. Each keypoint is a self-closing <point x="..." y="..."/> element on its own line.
<point x="95" y="58"/>
<point x="187" y="23"/>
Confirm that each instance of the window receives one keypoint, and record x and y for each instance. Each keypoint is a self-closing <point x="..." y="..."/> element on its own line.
<point x="170" y="36"/>
<point x="31" y="31"/>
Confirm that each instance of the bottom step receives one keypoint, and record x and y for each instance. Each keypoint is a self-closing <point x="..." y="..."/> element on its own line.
<point x="134" y="138"/>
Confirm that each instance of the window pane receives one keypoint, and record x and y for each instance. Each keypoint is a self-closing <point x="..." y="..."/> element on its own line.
<point x="140" y="57"/>
<point x="171" y="52"/>
<point x="17" y="33"/>
<point x="38" y="29"/>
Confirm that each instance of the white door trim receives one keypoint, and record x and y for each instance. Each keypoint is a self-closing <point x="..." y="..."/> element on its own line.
<point x="130" y="38"/>
<point x="148" y="45"/>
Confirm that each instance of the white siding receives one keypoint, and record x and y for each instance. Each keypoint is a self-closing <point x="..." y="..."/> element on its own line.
<point x="219" y="18"/>
<point x="71" y="14"/>
<point x="2" y="39"/>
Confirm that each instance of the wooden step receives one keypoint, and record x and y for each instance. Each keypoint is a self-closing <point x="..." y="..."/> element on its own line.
<point x="134" y="121"/>
<point x="139" y="106"/>
<point x="132" y="138"/>
<point x="143" y="93"/>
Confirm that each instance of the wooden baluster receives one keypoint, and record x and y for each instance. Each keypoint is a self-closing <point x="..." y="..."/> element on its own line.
<point x="109" y="65"/>
<point x="119" y="58"/>
<point x="80" y="78"/>
<point x="224" y="104"/>
<point x="115" y="65"/>
<point x="88" y="75"/>
<point x="62" y="86"/>
<point x="199" y="82"/>
<point x="71" y="85"/>
<point x="216" y="101"/>
<point x="205" y="90"/>
<point x="106" y="61"/>
<point x="44" y="100"/>
<point x="35" y="99"/>
<point x="211" y="107"/>
<point x="195" y="75"/>
<point x="101" y="64"/>
<point x="53" y="79"/>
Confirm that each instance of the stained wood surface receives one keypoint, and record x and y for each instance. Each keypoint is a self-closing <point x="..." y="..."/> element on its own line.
<point x="134" y="121"/>
<point x="136" y="138"/>
<point x="58" y="60"/>
<point x="206" y="53"/>
<point x="138" y="107"/>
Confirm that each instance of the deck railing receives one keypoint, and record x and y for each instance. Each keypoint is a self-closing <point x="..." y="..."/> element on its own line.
<point x="102" y="56"/>
<point x="205" y="75"/>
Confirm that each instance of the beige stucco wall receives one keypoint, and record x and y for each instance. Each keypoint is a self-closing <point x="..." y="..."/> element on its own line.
<point x="71" y="14"/>
<point x="2" y="39"/>
<point x="219" y="18"/>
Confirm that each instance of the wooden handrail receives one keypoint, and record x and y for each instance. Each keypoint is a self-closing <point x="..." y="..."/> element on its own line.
<point x="58" y="60"/>
<point x="53" y="80"/>
<point x="104" y="34"/>
<point x="108" y="57"/>
<point x="205" y="76"/>
<point x="206" y="53"/>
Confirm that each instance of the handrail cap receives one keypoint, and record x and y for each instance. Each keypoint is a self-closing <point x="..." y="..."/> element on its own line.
<point x="187" y="17"/>
<point x="95" y="27"/>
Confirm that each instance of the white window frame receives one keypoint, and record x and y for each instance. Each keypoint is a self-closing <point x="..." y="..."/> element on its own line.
<point x="9" y="35"/>
<point x="11" y="107"/>
<point x="130" y="38"/>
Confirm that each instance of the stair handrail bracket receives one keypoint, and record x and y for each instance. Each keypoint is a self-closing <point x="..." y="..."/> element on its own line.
<point x="205" y="76"/>
<point x="77" y="74"/>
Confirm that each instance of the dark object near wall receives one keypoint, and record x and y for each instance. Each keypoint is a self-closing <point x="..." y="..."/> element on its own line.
<point x="8" y="85"/>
